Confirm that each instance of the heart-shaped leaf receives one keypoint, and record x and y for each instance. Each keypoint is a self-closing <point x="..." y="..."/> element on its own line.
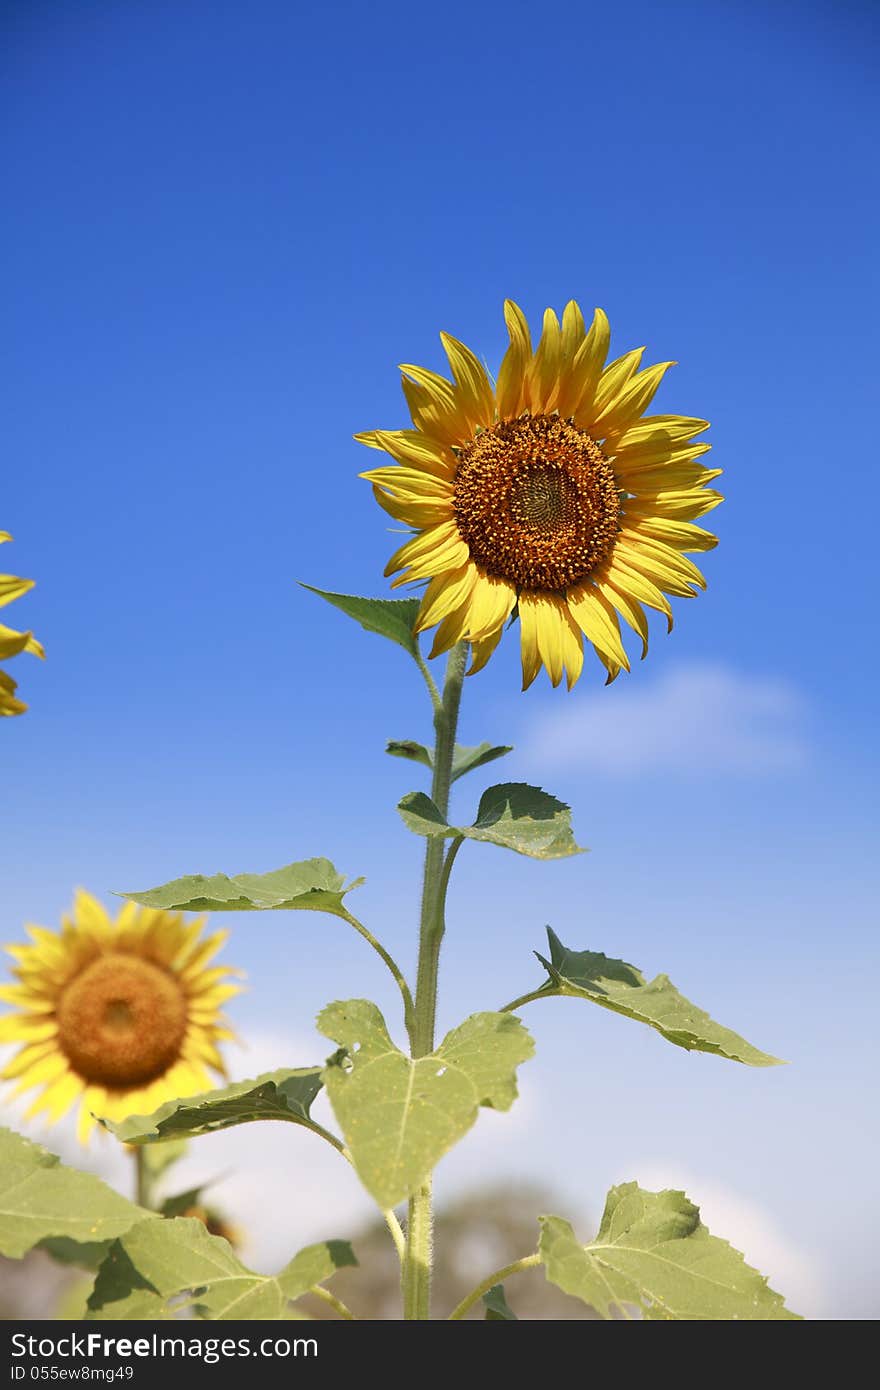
<point x="515" y="815"/>
<point x="399" y="1117"/>
<point x="653" y="1259"/>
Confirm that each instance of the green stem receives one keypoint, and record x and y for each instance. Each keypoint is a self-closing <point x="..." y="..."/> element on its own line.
<point x="542" y="993"/>
<point x="436" y="699"/>
<point x="408" y="1004"/>
<point x="143" y="1187"/>
<point x="528" y="1262"/>
<point x="333" y="1301"/>
<point x="417" y="1263"/>
<point x="391" y="1220"/>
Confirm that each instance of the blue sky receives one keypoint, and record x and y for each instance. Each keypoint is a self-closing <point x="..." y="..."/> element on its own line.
<point x="225" y="227"/>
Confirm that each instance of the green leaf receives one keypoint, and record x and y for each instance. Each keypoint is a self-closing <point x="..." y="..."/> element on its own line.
<point x="653" y="1259"/>
<point x="400" y="1117"/>
<point x="464" y="759"/>
<point x="310" y="884"/>
<point x="276" y="1095"/>
<point x="157" y="1261"/>
<point x="391" y="618"/>
<point x="414" y="752"/>
<point x="615" y="985"/>
<point x="515" y="815"/>
<point x="497" y="1307"/>
<point x="41" y="1200"/>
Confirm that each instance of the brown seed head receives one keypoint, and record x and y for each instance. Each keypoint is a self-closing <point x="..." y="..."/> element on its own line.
<point x="536" y="501"/>
<point x="121" y="1020"/>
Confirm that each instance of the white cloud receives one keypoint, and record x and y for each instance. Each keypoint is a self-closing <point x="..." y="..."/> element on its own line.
<point x="694" y="719"/>
<point x="750" y="1228"/>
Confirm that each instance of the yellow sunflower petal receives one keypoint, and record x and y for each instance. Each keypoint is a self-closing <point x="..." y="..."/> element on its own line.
<point x="632" y="401"/>
<point x="657" y="430"/>
<point x="419" y="514"/>
<point x="475" y="395"/>
<point x="641" y="458"/>
<point x="482" y="650"/>
<point x="437" y="548"/>
<point x="680" y="535"/>
<point x="12" y="643"/>
<point x="664" y="575"/>
<point x="668" y="477"/>
<point x="491" y="605"/>
<point x="90" y="915"/>
<point x="574" y="330"/>
<point x="543" y="383"/>
<point x="511" y="384"/>
<point x="630" y="536"/>
<point x="628" y="607"/>
<point x="578" y="392"/>
<point x="433" y="412"/>
<point x="438" y="411"/>
<point x="9" y="705"/>
<point x="12" y="587"/>
<point x="611" y="383"/>
<point x="686" y="505"/>
<point x="413" y="448"/>
<point x="27" y="1028"/>
<point x="549" y="638"/>
<point x="528" y="635"/>
<point x="408" y="483"/>
<point x="598" y="622"/>
<point x="445" y="594"/>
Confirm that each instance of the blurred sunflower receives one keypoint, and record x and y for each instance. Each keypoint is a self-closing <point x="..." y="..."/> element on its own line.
<point x="549" y="496"/>
<point x="116" y="1016"/>
<point x="12" y="642"/>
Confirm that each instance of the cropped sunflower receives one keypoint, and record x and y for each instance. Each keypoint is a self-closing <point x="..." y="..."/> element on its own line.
<point x="549" y="495"/>
<point x="117" y="1017"/>
<point x="12" y="642"/>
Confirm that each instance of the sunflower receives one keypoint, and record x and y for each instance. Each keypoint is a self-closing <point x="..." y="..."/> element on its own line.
<point x="549" y="496"/>
<point x="12" y="642"/>
<point x="116" y="1016"/>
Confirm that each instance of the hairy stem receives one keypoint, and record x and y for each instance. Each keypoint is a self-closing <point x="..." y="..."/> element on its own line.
<point x="394" y="968"/>
<point x="542" y="993"/>
<point x="417" y="1263"/>
<point x="528" y="1262"/>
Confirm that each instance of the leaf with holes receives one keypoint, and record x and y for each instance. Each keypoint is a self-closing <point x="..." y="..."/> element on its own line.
<point x="399" y="1117"/>
<point x="276" y="1095"/>
<point x="654" y="1259"/>
<point x="514" y="815"/>
<point x="311" y="885"/>
<point x="388" y="617"/>
<point x="159" y="1261"/>
<point x="42" y="1201"/>
<point x="464" y="758"/>
<point x="615" y="985"/>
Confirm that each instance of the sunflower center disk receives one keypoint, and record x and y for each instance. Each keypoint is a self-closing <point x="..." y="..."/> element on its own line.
<point x="122" y="1020"/>
<point x="537" y="502"/>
